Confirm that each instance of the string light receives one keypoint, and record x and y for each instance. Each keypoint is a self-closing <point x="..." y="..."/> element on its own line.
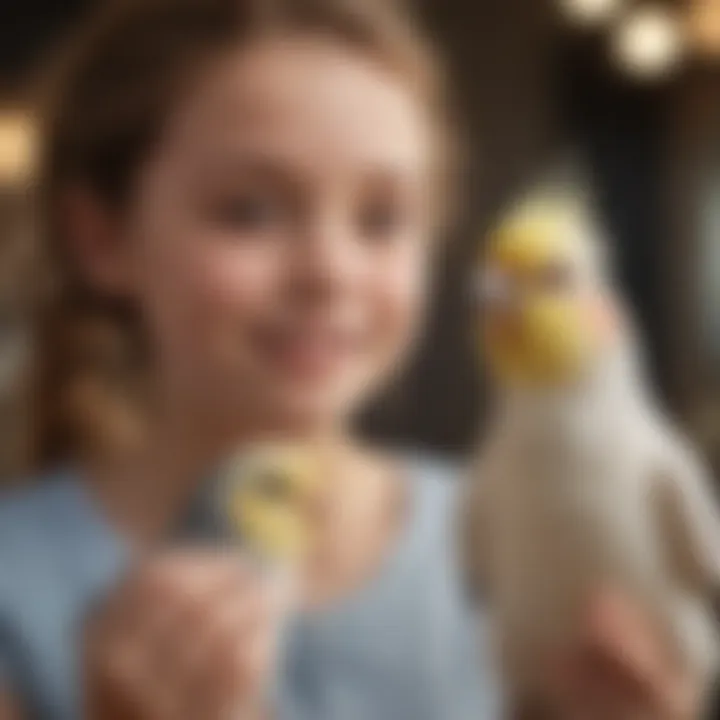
<point x="588" y="13"/>
<point x="703" y="26"/>
<point x="648" y="42"/>
<point x="17" y="147"/>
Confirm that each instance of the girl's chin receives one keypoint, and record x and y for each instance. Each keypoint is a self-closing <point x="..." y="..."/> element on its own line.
<point x="307" y="408"/>
<point x="278" y="403"/>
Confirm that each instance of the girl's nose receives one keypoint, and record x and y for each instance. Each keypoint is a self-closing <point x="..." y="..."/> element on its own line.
<point x="327" y="261"/>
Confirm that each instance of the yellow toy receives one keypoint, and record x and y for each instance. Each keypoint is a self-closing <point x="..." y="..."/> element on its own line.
<point x="267" y="496"/>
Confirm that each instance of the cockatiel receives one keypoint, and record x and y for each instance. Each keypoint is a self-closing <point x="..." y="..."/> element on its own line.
<point x="582" y="483"/>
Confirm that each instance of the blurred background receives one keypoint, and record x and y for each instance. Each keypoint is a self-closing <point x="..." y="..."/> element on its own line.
<point x="628" y="92"/>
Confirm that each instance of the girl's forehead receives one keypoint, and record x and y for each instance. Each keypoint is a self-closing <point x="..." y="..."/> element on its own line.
<point x="306" y="101"/>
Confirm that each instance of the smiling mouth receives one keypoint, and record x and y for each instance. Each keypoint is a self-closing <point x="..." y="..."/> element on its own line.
<point x="307" y="351"/>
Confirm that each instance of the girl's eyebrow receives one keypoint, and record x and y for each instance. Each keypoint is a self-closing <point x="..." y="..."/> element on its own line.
<point x="282" y="169"/>
<point x="259" y="165"/>
<point x="389" y="177"/>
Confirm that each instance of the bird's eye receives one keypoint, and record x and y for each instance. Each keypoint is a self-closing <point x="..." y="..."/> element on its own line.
<point x="492" y="288"/>
<point x="557" y="277"/>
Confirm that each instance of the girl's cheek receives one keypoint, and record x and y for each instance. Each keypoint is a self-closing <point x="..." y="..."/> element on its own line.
<point x="237" y="282"/>
<point x="200" y="293"/>
<point x="402" y="293"/>
<point x="227" y="275"/>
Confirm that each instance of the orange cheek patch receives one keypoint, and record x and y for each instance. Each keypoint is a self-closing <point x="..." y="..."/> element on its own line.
<point x="603" y="318"/>
<point x="502" y="327"/>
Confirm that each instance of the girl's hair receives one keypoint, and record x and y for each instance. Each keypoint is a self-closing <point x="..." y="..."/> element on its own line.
<point x="109" y="101"/>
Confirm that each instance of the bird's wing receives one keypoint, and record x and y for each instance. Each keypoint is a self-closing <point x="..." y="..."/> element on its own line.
<point x="689" y="519"/>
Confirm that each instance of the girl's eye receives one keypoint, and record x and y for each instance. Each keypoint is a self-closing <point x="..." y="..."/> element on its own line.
<point x="250" y="213"/>
<point x="381" y="222"/>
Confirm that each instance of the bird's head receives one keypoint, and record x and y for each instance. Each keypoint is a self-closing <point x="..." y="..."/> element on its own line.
<point x="270" y="498"/>
<point x="547" y="313"/>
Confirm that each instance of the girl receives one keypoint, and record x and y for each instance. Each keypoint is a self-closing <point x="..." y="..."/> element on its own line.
<point x="239" y="199"/>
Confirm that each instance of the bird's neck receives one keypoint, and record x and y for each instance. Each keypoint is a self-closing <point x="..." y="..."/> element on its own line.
<point x="614" y="384"/>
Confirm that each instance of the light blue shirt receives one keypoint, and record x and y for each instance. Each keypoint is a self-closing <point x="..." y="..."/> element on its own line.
<point x="404" y="647"/>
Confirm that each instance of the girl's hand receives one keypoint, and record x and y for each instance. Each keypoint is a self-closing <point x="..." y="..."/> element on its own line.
<point x="621" y="669"/>
<point x="188" y="637"/>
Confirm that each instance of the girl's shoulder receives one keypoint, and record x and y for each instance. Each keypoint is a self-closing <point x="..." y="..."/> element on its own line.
<point x="430" y="467"/>
<point x="49" y="534"/>
<point x="34" y="495"/>
<point x="55" y="558"/>
<point x="435" y="488"/>
<point x="34" y="510"/>
<point x="435" y="467"/>
<point x="438" y="477"/>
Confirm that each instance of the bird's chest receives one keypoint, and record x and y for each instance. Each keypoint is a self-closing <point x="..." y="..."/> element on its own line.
<point x="580" y="461"/>
<point x="570" y="508"/>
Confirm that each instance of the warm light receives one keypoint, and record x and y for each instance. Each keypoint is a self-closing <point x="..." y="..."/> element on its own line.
<point x="589" y="12"/>
<point x="649" y="43"/>
<point x="17" y="147"/>
<point x="703" y="26"/>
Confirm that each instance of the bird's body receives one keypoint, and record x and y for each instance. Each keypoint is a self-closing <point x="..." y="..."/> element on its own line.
<point x="572" y="499"/>
<point x="583" y="484"/>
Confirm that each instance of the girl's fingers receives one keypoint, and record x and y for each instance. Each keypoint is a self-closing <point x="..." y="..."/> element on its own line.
<point x="578" y="693"/>
<point x="636" y="659"/>
<point x="129" y="674"/>
<point x="181" y="638"/>
<point x="183" y="581"/>
<point x="595" y="695"/>
<point x="219" y="666"/>
<point x="621" y="636"/>
<point x="243" y="660"/>
<point x="147" y="603"/>
<point x="623" y="664"/>
<point x="161" y="612"/>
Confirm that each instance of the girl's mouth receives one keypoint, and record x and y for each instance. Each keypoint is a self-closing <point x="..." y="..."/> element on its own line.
<point x="307" y="352"/>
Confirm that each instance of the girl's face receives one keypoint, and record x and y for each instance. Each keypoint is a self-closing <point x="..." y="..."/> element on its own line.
<point x="279" y="241"/>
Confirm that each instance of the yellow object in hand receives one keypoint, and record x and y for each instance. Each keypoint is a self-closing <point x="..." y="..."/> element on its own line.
<point x="270" y="494"/>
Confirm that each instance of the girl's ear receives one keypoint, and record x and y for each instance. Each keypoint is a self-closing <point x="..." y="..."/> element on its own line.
<point x="96" y="243"/>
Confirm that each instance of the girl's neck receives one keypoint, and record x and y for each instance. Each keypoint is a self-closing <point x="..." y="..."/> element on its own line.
<point x="145" y="491"/>
<point x="360" y="516"/>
